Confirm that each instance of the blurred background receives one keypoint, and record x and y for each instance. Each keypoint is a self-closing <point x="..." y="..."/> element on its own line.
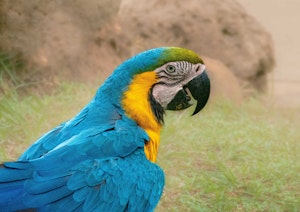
<point x="241" y="153"/>
<point x="82" y="41"/>
<point x="278" y="17"/>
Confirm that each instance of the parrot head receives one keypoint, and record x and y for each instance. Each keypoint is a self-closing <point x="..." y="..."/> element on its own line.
<point x="156" y="80"/>
<point x="177" y="81"/>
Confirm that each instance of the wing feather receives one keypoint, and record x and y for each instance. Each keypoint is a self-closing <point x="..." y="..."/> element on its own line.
<point x="102" y="168"/>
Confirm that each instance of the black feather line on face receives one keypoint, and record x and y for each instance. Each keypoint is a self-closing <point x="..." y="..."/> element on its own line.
<point x="157" y="109"/>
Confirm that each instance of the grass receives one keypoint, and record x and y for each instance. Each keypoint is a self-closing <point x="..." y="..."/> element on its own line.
<point x="11" y="67"/>
<point x="232" y="158"/>
<point x="227" y="158"/>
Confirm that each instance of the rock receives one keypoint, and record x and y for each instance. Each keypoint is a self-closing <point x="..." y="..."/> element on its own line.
<point x="55" y="37"/>
<point x="218" y="29"/>
<point x="224" y="84"/>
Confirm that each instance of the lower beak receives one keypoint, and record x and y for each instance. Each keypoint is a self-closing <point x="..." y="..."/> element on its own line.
<point x="199" y="88"/>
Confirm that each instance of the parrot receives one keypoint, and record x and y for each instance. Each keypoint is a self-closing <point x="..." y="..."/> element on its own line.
<point x="104" y="158"/>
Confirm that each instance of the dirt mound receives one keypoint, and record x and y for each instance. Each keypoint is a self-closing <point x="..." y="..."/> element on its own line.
<point x="55" y="38"/>
<point x="224" y="84"/>
<point x="84" y="39"/>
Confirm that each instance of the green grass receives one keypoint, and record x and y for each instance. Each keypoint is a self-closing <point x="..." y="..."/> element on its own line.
<point x="232" y="158"/>
<point x="11" y="68"/>
<point x="226" y="158"/>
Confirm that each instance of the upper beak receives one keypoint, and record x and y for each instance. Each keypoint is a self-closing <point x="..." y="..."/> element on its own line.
<point x="199" y="88"/>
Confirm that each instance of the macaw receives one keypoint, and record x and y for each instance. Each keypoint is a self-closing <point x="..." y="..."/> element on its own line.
<point x="103" y="159"/>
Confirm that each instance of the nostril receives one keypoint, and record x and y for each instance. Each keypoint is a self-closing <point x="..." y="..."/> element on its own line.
<point x="197" y="69"/>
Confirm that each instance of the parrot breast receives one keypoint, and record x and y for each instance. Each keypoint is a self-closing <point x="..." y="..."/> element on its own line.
<point x="138" y="107"/>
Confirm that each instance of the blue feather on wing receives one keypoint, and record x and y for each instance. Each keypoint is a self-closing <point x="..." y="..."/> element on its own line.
<point x="94" y="169"/>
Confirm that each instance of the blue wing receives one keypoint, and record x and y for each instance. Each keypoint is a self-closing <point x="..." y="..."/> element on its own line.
<point x="92" y="115"/>
<point x="101" y="168"/>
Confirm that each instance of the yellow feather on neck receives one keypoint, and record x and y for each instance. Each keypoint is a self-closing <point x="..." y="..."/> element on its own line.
<point x="137" y="106"/>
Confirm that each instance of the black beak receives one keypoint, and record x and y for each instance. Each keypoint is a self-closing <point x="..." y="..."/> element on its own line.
<point x="199" y="88"/>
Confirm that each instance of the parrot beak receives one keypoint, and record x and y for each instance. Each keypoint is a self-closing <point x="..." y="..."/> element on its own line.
<point x="199" y="88"/>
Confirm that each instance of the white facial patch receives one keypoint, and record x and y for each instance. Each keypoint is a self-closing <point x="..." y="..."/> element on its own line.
<point x="171" y="79"/>
<point x="163" y="94"/>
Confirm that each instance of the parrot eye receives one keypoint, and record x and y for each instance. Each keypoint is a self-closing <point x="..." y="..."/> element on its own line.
<point x="170" y="68"/>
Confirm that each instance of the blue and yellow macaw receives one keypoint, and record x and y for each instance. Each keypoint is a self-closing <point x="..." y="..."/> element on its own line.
<point x="103" y="158"/>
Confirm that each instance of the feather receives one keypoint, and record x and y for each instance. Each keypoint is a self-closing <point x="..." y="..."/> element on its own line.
<point x="36" y="187"/>
<point x="65" y="204"/>
<point x="80" y="194"/>
<point x="76" y="181"/>
<point x="12" y="190"/>
<point x="39" y="200"/>
<point x="18" y="165"/>
<point x="91" y="199"/>
<point x="10" y="175"/>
